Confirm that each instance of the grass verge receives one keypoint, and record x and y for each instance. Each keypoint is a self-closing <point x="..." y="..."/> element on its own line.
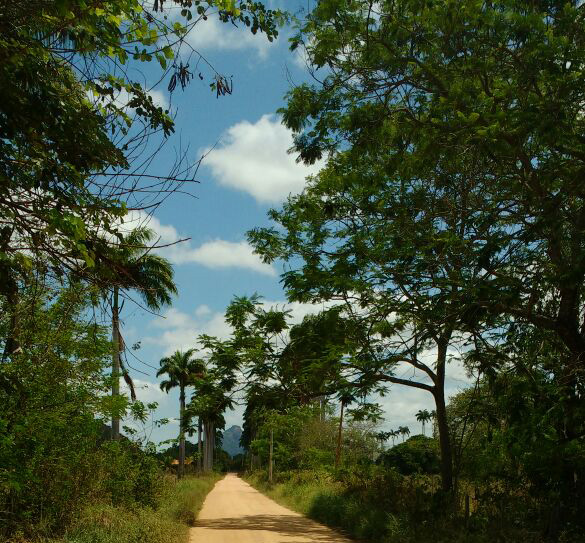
<point x="324" y="500"/>
<point x="396" y="512"/>
<point x="167" y="522"/>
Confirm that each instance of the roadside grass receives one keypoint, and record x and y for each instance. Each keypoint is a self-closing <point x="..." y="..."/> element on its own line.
<point x="326" y="501"/>
<point x="167" y="522"/>
<point x="397" y="512"/>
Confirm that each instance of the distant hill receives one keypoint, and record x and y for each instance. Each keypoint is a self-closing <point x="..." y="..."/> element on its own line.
<point x="231" y="441"/>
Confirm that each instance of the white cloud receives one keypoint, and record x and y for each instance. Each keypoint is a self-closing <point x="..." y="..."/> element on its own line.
<point x="214" y="35"/>
<point x="226" y="254"/>
<point x="214" y="254"/>
<point x="254" y="158"/>
<point x="122" y="98"/>
<point x="159" y="98"/>
<point x="402" y="402"/>
<point x="179" y="330"/>
<point x="146" y="391"/>
<point x="400" y="406"/>
<point x="300" y="58"/>
<point x="173" y="318"/>
<point x="202" y="311"/>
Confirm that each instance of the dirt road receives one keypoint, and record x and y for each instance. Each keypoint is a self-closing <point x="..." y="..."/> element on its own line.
<point x="234" y="512"/>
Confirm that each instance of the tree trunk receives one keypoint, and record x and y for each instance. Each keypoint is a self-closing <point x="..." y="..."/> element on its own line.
<point x="270" y="460"/>
<point x="198" y="444"/>
<point x="209" y="445"/>
<point x="445" y="442"/>
<point x="182" y="432"/>
<point x="115" y="363"/>
<point x="442" y="425"/>
<point x="205" y="443"/>
<point x="338" y="450"/>
<point x="206" y="462"/>
<point x="209" y="440"/>
<point x="10" y="290"/>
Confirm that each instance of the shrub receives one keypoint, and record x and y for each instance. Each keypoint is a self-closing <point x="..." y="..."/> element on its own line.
<point x="167" y="521"/>
<point x="419" y="454"/>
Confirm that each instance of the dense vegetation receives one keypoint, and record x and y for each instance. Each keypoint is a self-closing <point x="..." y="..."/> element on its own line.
<point x="447" y="224"/>
<point x="393" y="494"/>
<point x="59" y="469"/>
<point x="77" y="135"/>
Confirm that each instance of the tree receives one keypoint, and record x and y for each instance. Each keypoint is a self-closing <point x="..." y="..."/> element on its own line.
<point x="420" y="83"/>
<point x="404" y="431"/>
<point x="344" y="400"/>
<point x="388" y="249"/>
<point x="419" y="454"/>
<point x="414" y="97"/>
<point x="181" y="370"/>
<point x="135" y="268"/>
<point x="74" y="123"/>
<point x="213" y="392"/>
<point x="53" y="403"/>
<point x="423" y="416"/>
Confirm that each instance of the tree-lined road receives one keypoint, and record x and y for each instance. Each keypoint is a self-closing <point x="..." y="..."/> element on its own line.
<point x="234" y="512"/>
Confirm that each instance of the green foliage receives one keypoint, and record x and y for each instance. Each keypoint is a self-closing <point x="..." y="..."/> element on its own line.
<point x="167" y="520"/>
<point x="133" y="266"/>
<point x="304" y="439"/>
<point x="55" y="453"/>
<point x="49" y="398"/>
<point x="419" y="454"/>
<point x="434" y="97"/>
<point x="181" y="369"/>
<point x="370" y="504"/>
<point x="382" y="506"/>
<point x="66" y="137"/>
<point x="447" y="214"/>
<point x="212" y="388"/>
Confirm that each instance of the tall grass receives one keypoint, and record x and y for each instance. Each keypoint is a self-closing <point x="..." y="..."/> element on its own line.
<point x="321" y="498"/>
<point x="166" y="522"/>
<point x="379" y="508"/>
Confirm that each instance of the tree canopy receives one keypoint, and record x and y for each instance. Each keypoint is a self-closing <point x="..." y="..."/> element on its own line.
<point x="449" y="212"/>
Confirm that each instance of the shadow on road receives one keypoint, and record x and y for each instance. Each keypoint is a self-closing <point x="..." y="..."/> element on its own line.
<point x="281" y="524"/>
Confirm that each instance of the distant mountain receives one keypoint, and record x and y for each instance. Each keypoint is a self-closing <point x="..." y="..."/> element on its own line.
<point x="231" y="441"/>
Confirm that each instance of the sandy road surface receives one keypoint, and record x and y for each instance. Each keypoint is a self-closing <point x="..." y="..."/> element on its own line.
<point x="234" y="512"/>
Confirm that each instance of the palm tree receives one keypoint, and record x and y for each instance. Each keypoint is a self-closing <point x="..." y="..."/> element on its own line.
<point x="181" y="369"/>
<point x="404" y="431"/>
<point x="212" y="395"/>
<point x="423" y="416"/>
<point x="134" y="267"/>
<point x="393" y="435"/>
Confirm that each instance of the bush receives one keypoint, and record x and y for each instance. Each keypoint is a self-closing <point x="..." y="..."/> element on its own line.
<point x="419" y="454"/>
<point x="327" y="498"/>
<point x="174" y="510"/>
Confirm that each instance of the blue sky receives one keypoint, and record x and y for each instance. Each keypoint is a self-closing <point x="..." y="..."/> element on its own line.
<point x="247" y="172"/>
